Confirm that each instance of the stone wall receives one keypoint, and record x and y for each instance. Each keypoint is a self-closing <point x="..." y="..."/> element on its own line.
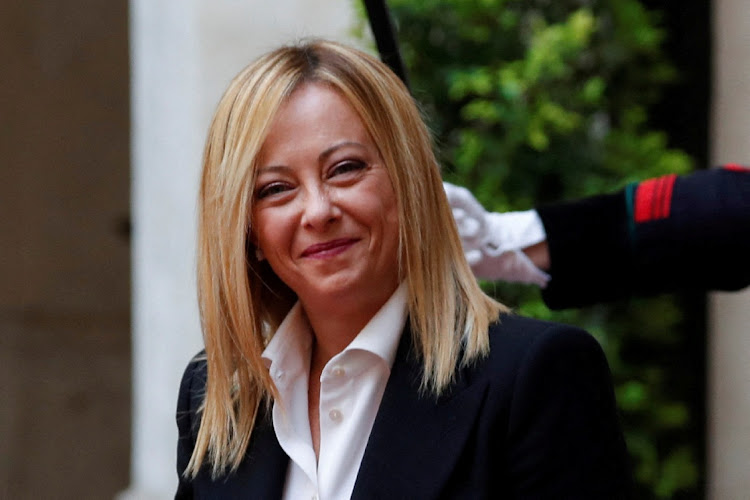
<point x="728" y="385"/>
<point x="64" y="257"/>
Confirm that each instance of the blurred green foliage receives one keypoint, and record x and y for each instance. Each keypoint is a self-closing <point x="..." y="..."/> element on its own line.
<point x="536" y="101"/>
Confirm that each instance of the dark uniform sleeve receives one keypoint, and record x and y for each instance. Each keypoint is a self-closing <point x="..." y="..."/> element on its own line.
<point x="661" y="235"/>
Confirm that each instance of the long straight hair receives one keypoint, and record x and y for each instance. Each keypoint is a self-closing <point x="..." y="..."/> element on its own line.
<point x="242" y="301"/>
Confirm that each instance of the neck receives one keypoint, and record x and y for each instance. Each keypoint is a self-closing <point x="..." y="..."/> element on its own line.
<point x="336" y="323"/>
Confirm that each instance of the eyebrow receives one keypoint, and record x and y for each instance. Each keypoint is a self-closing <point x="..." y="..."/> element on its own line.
<point x="329" y="151"/>
<point x="272" y="168"/>
<point x="321" y="157"/>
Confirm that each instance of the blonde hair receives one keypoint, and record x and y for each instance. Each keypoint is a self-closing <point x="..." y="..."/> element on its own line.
<point x="241" y="299"/>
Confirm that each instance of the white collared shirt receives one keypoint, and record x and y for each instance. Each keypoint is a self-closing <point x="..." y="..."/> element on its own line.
<point x="351" y="388"/>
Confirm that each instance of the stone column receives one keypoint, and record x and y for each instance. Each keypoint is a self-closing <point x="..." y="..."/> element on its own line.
<point x="183" y="54"/>
<point x="729" y="313"/>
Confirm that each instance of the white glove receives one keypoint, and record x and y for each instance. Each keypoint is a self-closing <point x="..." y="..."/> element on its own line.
<point x="493" y="242"/>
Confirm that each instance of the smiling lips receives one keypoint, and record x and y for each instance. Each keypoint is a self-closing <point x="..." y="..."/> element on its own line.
<point x="329" y="248"/>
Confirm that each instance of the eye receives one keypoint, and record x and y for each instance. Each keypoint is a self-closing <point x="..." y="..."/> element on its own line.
<point x="271" y="189"/>
<point x="346" y="167"/>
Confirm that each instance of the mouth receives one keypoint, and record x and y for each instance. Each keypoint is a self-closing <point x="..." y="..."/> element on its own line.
<point x="329" y="248"/>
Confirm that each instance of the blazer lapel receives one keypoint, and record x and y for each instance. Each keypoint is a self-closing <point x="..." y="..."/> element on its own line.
<point x="416" y="439"/>
<point x="262" y="472"/>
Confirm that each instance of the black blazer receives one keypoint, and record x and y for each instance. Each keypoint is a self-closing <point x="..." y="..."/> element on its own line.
<point x="535" y="419"/>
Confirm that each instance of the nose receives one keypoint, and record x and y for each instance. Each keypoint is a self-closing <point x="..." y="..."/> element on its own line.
<point x="319" y="209"/>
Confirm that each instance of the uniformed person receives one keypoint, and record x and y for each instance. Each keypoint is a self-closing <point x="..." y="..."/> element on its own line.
<point x="661" y="235"/>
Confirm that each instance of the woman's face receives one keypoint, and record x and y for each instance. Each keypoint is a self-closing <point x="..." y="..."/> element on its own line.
<point x="324" y="213"/>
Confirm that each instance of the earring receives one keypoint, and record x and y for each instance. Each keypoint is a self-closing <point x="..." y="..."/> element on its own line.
<point x="259" y="254"/>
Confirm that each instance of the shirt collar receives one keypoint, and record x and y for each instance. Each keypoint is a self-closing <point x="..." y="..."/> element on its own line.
<point x="290" y="346"/>
<point x="382" y="333"/>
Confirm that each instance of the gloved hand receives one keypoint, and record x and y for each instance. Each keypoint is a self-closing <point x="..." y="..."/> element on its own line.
<point x="493" y="242"/>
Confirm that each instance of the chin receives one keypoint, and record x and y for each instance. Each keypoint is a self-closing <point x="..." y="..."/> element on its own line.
<point x="338" y="286"/>
<point x="344" y="288"/>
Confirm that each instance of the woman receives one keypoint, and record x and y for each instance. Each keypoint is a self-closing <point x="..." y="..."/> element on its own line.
<point x="349" y="350"/>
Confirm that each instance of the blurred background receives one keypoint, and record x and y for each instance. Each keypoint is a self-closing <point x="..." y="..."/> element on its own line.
<point x="104" y="108"/>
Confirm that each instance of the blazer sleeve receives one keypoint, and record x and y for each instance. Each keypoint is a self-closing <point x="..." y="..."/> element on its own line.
<point x="188" y="403"/>
<point x="564" y="437"/>
<point x="661" y="235"/>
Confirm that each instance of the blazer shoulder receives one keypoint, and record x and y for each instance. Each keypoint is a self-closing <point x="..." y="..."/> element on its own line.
<point x="193" y="383"/>
<point x="189" y="401"/>
<point x="195" y="372"/>
<point x="519" y="334"/>
<point x="550" y="386"/>
<point x="191" y="394"/>
<point x="520" y="345"/>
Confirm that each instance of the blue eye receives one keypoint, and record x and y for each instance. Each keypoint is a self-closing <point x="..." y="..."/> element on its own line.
<point x="346" y="167"/>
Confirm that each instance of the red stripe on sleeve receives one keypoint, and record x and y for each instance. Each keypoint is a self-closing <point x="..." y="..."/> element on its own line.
<point x="644" y="195"/>
<point x="656" y="209"/>
<point x="666" y="201"/>
<point x="735" y="167"/>
<point x="653" y="199"/>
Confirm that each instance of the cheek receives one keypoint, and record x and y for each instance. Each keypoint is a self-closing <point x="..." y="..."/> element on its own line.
<point x="388" y="211"/>
<point x="375" y="208"/>
<point x="390" y="206"/>
<point x="274" y="239"/>
<point x="392" y="235"/>
<point x="270" y="233"/>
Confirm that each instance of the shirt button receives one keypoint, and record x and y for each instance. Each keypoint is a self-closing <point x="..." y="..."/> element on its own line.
<point x="338" y="372"/>
<point x="335" y="415"/>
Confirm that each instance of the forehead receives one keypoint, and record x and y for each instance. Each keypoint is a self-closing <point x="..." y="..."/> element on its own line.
<point x="313" y="116"/>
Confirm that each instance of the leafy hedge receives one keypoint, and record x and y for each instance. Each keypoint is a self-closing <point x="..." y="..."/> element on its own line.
<point x="536" y="101"/>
